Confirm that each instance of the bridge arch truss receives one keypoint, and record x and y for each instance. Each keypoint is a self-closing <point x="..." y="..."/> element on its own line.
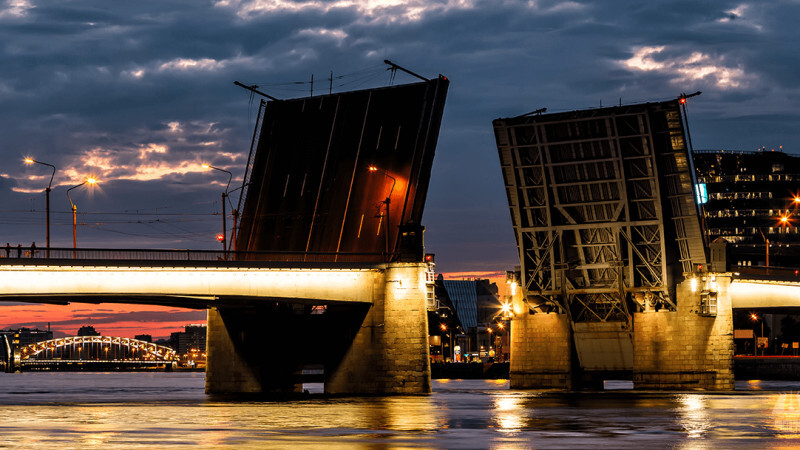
<point x="147" y="350"/>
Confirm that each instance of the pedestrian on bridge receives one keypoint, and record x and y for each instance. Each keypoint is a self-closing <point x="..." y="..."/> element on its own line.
<point x="8" y="250"/>
<point x="19" y="250"/>
<point x="33" y="249"/>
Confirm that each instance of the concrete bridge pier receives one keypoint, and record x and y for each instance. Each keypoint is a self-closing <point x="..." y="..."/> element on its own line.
<point x="541" y="348"/>
<point x="541" y="351"/>
<point x="252" y="350"/>
<point x="378" y="348"/>
<point x="690" y="348"/>
<point x="389" y="354"/>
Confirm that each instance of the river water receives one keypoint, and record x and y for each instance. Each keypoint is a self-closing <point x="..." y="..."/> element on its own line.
<point x="127" y="409"/>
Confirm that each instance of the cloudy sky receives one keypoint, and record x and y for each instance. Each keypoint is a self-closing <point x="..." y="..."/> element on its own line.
<point x="139" y="94"/>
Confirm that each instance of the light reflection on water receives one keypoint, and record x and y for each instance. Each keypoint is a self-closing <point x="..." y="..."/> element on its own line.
<point x="73" y="410"/>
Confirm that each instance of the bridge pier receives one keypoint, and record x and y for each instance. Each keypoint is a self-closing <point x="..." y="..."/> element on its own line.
<point x="541" y="351"/>
<point x="672" y="350"/>
<point x="683" y="349"/>
<point x="389" y="354"/>
<point x="249" y="350"/>
<point x="380" y="348"/>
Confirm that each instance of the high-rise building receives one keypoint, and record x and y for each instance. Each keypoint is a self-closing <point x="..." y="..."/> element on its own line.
<point x="144" y="337"/>
<point x="192" y="338"/>
<point x="752" y="200"/>
<point x="88" y="330"/>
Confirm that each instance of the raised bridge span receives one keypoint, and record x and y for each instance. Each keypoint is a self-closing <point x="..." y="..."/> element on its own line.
<point x="616" y="273"/>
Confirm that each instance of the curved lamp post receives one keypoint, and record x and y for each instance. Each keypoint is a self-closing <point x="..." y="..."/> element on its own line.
<point x="386" y="202"/>
<point x="224" y="197"/>
<point x="235" y="216"/>
<point x="47" y="198"/>
<point x="91" y="181"/>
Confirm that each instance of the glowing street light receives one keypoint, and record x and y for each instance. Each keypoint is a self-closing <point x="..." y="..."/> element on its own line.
<point x="224" y="197"/>
<point x="47" y="198"/>
<point x="386" y="202"/>
<point x="505" y="310"/>
<point x="754" y="317"/>
<point x="91" y="181"/>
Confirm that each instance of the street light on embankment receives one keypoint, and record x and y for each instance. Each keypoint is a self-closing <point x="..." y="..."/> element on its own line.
<point x="224" y="198"/>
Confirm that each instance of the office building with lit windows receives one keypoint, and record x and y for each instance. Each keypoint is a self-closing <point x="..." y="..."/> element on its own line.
<point x="752" y="200"/>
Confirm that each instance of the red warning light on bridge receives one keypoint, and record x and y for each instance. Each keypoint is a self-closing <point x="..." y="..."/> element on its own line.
<point x="220" y="237"/>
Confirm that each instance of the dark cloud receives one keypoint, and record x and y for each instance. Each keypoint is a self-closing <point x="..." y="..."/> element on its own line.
<point x="83" y="84"/>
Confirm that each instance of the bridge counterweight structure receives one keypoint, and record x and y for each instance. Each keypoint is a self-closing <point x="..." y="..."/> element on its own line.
<point x="603" y="208"/>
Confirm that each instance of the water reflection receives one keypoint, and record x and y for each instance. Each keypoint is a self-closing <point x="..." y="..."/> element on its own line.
<point x="693" y="413"/>
<point x="786" y="415"/>
<point x="113" y="410"/>
<point x="509" y="412"/>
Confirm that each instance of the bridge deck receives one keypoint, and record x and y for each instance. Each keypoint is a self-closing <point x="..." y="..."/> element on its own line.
<point x="188" y="283"/>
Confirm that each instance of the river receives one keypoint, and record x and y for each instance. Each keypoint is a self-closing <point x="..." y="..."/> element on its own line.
<point x="129" y="409"/>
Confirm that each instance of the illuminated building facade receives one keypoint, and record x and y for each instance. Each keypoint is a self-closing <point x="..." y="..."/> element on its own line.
<point x="751" y="199"/>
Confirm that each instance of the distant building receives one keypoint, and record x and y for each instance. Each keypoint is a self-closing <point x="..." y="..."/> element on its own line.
<point x="10" y="339"/>
<point x="193" y="338"/>
<point x="749" y="199"/>
<point x="26" y="336"/>
<point x="88" y="330"/>
<point x="476" y="305"/>
<point x="144" y="337"/>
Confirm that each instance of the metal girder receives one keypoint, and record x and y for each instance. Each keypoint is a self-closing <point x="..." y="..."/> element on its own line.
<point x="602" y="206"/>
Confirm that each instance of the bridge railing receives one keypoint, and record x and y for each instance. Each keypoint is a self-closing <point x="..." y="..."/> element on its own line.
<point x="24" y="254"/>
<point x="767" y="273"/>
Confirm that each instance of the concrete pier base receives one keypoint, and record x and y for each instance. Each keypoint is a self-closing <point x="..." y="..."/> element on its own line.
<point x="683" y="349"/>
<point x="378" y="348"/>
<point x="690" y="348"/>
<point x="249" y="350"/>
<point x="389" y="354"/>
<point x="541" y="351"/>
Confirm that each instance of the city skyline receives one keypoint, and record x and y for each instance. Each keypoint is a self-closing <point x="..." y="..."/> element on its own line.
<point x="141" y="96"/>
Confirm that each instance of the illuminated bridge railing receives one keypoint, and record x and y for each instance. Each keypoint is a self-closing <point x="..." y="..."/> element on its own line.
<point x="15" y="255"/>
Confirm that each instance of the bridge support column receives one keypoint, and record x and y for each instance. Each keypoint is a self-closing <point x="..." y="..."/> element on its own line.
<point x="541" y="350"/>
<point x="249" y="350"/>
<point x="683" y="349"/>
<point x="389" y="354"/>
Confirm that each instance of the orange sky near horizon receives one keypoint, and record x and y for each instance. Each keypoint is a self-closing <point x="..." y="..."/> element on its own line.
<point x="109" y="319"/>
<point x="127" y="320"/>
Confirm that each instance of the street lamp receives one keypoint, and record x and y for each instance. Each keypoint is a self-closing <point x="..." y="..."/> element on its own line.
<point x="387" y="202"/>
<point x="224" y="197"/>
<point x="754" y="317"/>
<point x="92" y="182"/>
<point x="235" y="217"/>
<point x="47" y="198"/>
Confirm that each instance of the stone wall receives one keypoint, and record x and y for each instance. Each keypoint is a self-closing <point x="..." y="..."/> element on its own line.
<point x="683" y="349"/>
<point x="541" y="349"/>
<point x="389" y="354"/>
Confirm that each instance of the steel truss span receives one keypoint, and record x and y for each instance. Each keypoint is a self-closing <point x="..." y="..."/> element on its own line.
<point x="145" y="350"/>
<point x="602" y="204"/>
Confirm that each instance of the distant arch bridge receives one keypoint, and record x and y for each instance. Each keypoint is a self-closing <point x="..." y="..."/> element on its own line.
<point x="95" y="351"/>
